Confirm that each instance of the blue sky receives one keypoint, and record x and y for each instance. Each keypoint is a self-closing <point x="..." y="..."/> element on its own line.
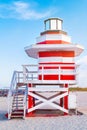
<point x="21" y="21"/>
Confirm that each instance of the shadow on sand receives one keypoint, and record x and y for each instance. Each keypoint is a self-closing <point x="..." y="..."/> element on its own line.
<point x="3" y="116"/>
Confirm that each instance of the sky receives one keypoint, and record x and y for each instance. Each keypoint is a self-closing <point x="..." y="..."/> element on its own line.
<point x="21" y="21"/>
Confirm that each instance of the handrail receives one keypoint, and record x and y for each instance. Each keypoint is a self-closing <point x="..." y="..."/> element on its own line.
<point x="24" y="102"/>
<point x="30" y="74"/>
<point x="13" y="82"/>
<point x="15" y="79"/>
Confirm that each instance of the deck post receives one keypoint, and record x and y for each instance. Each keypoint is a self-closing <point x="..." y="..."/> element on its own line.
<point x="66" y="101"/>
<point x="30" y="100"/>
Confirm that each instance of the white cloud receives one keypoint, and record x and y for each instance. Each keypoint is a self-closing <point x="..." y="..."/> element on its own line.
<point x="22" y="10"/>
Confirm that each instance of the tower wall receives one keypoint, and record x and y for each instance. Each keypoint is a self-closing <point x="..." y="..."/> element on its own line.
<point x="53" y="62"/>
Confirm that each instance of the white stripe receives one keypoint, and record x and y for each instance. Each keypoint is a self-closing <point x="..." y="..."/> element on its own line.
<point x="49" y="71"/>
<point x="56" y="59"/>
<point x="53" y="37"/>
<point x="68" y="59"/>
<point x="57" y="71"/>
<point x="33" y="50"/>
<point x="68" y="71"/>
<point x="50" y="59"/>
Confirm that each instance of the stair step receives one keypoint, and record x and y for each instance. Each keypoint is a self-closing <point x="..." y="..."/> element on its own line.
<point x="17" y="116"/>
<point x="18" y="105"/>
<point x="14" y="106"/>
<point x="20" y="90"/>
<point x="17" y="112"/>
<point x="16" y="99"/>
<point x="17" y="102"/>
<point x="20" y="95"/>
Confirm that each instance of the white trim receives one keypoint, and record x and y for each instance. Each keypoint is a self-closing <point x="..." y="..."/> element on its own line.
<point x="49" y="59"/>
<point x="56" y="72"/>
<point x="68" y="71"/>
<point x="68" y="59"/>
<point x="47" y="88"/>
<point x="53" y="37"/>
<point x="56" y="59"/>
<point x="49" y="101"/>
<point x="51" y="81"/>
<point x="33" y="50"/>
<point x="48" y="71"/>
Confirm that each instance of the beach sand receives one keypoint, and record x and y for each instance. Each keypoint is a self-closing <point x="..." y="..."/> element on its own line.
<point x="75" y="122"/>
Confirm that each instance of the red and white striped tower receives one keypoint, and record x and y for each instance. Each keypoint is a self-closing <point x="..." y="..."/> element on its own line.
<point x="55" y="53"/>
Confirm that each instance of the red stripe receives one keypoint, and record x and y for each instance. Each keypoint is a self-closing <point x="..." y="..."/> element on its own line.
<point x="48" y="67"/>
<point x="53" y="42"/>
<point x="64" y="67"/>
<point x="50" y="63"/>
<point x="56" y="77"/>
<point x="56" y="54"/>
<point x="57" y="63"/>
<point x="67" y="77"/>
<point x="40" y="67"/>
<point x="67" y="67"/>
<point x="53" y="32"/>
<point x="48" y="77"/>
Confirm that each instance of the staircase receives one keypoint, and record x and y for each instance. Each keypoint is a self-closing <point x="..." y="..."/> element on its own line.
<point x="18" y="104"/>
<point x="17" y="97"/>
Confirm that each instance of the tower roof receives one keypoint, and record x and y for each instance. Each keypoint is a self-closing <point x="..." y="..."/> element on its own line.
<point x="33" y="50"/>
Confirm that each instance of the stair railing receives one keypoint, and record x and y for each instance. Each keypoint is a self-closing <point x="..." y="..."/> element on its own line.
<point x="15" y="79"/>
<point x="25" y="102"/>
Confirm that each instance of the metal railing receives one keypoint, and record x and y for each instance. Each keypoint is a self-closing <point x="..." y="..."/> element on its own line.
<point x="25" y="102"/>
<point x="16" y="78"/>
<point x="31" y="72"/>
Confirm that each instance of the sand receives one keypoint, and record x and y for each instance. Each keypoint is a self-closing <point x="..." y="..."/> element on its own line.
<point x="75" y="122"/>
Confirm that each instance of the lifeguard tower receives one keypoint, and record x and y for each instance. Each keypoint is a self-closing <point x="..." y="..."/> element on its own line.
<point x="45" y="86"/>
